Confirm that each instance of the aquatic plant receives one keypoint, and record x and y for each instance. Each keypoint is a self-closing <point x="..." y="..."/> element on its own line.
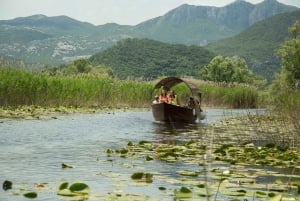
<point x="183" y="193"/>
<point x="142" y="177"/>
<point x="80" y="190"/>
<point x="7" y="185"/>
<point x="65" y="165"/>
<point x="30" y="195"/>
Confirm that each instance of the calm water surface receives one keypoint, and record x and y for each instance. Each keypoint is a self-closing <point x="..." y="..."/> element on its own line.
<point x="32" y="152"/>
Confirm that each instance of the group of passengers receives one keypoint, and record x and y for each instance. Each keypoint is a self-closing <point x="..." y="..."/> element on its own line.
<point x="165" y="97"/>
<point x="171" y="98"/>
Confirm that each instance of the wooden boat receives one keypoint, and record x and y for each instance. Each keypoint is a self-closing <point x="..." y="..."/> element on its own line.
<point x="174" y="113"/>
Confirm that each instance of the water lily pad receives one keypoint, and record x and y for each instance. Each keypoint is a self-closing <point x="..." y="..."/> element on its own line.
<point x="183" y="192"/>
<point x="188" y="173"/>
<point x="79" y="187"/>
<point x="63" y="186"/>
<point x="162" y="188"/>
<point x="30" y="195"/>
<point x="76" y="189"/>
<point x="142" y="177"/>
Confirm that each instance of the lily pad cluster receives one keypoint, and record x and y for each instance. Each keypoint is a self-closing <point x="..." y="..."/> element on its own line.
<point x="80" y="190"/>
<point x="232" y="181"/>
<point x="267" y="155"/>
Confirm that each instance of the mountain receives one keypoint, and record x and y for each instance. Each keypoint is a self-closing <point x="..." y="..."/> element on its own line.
<point x="200" y="25"/>
<point x="55" y="40"/>
<point x="150" y="59"/>
<point x="59" y="25"/>
<point x="258" y="43"/>
<point x="60" y="39"/>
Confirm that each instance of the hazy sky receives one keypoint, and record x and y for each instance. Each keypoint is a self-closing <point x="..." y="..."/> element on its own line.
<point x="97" y="12"/>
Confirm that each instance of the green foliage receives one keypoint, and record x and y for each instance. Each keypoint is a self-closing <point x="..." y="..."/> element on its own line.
<point x="77" y="67"/>
<point x="183" y="193"/>
<point x="82" y="65"/>
<point x="290" y="61"/>
<point x="30" y="195"/>
<point x="235" y="96"/>
<point x="7" y="185"/>
<point x="149" y="59"/>
<point x="63" y="186"/>
<point x="258" y="44"/>
<point x="79" y="189"/>
<point x="227" y="70"/>
<point x="285" y="88"/>
<point x="41" y="35"/>
<point x="143" y="177"/>
<point x="18" y="87"/>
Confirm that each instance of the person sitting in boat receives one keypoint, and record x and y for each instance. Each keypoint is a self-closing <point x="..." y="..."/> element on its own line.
<point x="163" y="97"/>
<point x="156" y="99"/>
<point x="173" y="98"/>
<point x="191" y="103"/>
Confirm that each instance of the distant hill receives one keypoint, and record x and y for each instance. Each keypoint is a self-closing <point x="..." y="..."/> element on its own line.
<point x="200" y="25"/>
<point x="59" y="25"/>
<point x="58" y="40"/>
<point x="258" y="43"/>
<point x="54" y="40"/>
<point x="149" y="59"/>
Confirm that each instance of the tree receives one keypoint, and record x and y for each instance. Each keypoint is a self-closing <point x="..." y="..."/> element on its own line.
<point x="82" y="65"/>
<point x="227" y="70"/>
<point x="289" y="78"/>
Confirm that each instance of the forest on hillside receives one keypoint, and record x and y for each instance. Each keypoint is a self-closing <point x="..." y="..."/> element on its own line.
<point x="149" y="59"/>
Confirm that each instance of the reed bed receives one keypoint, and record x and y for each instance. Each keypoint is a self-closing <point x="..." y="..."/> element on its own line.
<point x="231" y="96"/>
<point x="19" y="87"/>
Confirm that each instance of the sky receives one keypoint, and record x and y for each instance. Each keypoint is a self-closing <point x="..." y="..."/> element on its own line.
<point x="98" y="12"/>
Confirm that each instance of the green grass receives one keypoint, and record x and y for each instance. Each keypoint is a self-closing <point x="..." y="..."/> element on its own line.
<point x="19" y="87"/>
<point x="237" y="96"/>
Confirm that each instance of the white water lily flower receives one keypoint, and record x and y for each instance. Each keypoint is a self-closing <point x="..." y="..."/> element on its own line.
<point x="226" y="172"/>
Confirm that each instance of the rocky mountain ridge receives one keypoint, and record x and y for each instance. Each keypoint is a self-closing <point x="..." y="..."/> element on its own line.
<point x="60" y="39"/>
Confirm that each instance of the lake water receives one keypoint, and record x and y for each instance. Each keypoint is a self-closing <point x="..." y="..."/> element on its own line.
<point x="32" y="152"/>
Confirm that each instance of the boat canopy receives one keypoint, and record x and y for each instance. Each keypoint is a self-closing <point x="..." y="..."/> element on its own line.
<point x="170" y="82"/>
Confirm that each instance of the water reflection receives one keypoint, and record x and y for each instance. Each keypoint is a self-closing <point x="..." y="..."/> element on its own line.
<point x="175" y="133"/>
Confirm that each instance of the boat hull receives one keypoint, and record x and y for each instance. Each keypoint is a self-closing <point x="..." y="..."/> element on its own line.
<point x="172" y="113"/>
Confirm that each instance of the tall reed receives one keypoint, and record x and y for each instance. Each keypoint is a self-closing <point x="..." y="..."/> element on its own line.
<point x="236" y="96"/>
<point x="19" y="87"/>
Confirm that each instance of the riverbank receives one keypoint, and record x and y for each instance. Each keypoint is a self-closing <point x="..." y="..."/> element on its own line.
<point x="38" y="112"/>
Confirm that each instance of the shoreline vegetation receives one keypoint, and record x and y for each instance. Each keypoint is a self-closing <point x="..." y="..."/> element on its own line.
<point x="29" y="95"/>
<point x="38" y="112"/>
<point x="24" y="88"/>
